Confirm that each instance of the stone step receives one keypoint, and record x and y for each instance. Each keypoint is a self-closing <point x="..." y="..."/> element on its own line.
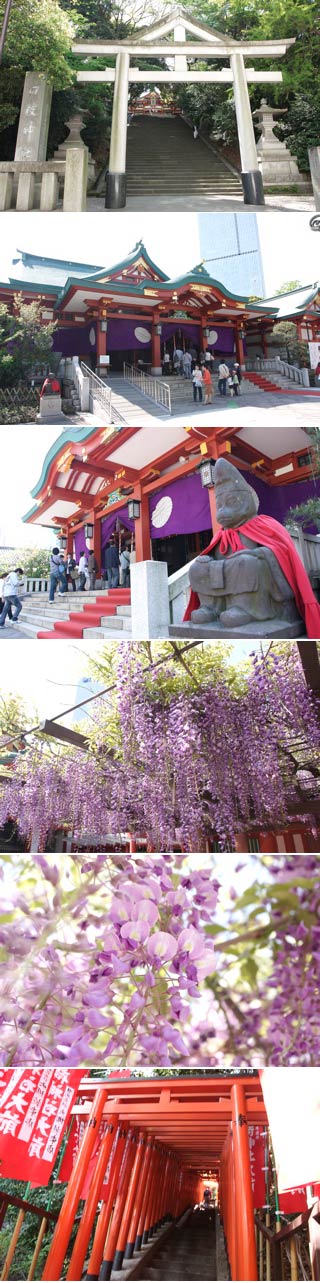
<point x="162" y="157"/>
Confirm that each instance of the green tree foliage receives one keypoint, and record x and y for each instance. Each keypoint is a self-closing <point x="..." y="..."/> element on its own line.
<point x="38" y="39"/>
<point x="284" y="335"/>
<point x="288" y="286"/>
<point x="299" y="92"/>
<point x="305" y="514"/>
<point x="25" y="341"/>
<point x="35" y="561"/>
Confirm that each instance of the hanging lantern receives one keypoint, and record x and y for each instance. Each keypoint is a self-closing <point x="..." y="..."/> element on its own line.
<point x="206" y="470"/>
<point x="134" y="509"/>
<point x="88" y="530"/>
<point x="63" y="542"/>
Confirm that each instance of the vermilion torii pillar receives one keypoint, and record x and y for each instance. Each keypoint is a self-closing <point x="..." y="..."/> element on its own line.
<point x="207" y="44"/>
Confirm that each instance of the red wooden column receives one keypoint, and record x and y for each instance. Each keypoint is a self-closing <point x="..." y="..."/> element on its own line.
<point x="101" y="343"/>
<point x="70" y="538"/>
<point x="129" y="1203"/>
<point x="97" y="540"/>
<point x="156" y="346"/>
<point x="241" y="843"/>
<point x="149" y="1205"/>
<point x="142" y="529"/>
<point x="64" y="1226"/>
<point x="146" y="1199"/>
<point x="139" y="1198"/>
<point x="123" y="1182"/>
<point x="88" y="1215"/>
<point x="245" y="1230"/>
<point x="106" y="1209"/>
<point x="239" y="348"/>
<point x="213" y="509"/>
<point x="268" y="842"/>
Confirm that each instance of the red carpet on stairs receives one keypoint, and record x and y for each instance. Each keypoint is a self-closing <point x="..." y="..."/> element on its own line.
<point x="89" y="617"/>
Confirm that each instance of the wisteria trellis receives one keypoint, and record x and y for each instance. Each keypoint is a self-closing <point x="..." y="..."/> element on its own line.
<point x="110" y="961"/>
<point x="205" y="761"/>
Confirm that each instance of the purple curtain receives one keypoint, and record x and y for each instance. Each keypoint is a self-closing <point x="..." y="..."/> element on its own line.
<point x="108" y="525"/>
<point x="180" y="508"/>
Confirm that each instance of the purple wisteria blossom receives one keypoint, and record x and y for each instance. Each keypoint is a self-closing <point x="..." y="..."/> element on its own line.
<point x="200" y="764"/>
<point x="111" y="967"/>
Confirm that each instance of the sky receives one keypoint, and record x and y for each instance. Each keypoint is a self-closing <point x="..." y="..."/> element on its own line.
<point x="48" y="678"/>
<point x="22" y="455"/>
<point x="290" y="250"/>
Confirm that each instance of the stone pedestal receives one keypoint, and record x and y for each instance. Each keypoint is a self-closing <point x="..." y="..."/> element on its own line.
<point x="50" y="408"/>
<point x="278" y="166"/>
<point x="149" y="599"/>
<point x="275" y="628"/>
<point x="76" y="177"/>
<point x="25" y="192"/>
<point x="49" y="192"/>
<point x="6" y="188"/>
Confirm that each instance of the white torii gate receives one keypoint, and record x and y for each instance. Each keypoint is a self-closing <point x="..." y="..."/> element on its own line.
<point x="208" y="43"/>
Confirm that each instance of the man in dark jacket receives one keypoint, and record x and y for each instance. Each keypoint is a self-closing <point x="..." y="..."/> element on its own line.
<point x="112" y="564"/>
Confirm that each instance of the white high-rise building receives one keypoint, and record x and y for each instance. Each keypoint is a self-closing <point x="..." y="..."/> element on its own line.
<point x="230" y="248"/>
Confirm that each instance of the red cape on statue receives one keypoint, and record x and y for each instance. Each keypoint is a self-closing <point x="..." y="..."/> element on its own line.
<point x="268" y="532"/>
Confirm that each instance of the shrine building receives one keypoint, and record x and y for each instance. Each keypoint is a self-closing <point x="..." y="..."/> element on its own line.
<point x="131" y="314"/>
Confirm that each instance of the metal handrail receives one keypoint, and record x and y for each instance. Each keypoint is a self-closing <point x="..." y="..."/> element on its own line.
<point x="152" y="387"/>
<point x="103" y="394"/>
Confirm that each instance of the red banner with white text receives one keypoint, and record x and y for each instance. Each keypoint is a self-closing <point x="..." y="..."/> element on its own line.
<point x="295" y="1200"/>
<point x="35" y="1107"/>
<point x="292" y="1100"/>
<point x="256" y="1137"/>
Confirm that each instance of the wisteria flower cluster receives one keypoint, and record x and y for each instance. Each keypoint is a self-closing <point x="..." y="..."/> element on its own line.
<point x="147" y="960"/>
<point x="176" y="774"/>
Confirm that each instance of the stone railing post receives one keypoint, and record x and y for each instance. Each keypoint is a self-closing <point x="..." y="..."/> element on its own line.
<point x="76" y="178"/>
<point x="149" y="599"/>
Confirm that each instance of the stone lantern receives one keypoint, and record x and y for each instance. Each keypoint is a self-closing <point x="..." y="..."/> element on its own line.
<point x="277" y="165"/>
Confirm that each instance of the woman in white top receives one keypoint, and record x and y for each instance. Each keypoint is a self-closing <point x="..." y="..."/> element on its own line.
<point x="197" y="382"/>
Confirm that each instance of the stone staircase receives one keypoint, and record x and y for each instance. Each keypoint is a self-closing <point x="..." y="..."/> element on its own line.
<point x="190" y="1252"/>
<point x="277" y="383"/>
<point x="134" y="406"/>
<point x="85" y="615"/>
<point x="162" y="157"/>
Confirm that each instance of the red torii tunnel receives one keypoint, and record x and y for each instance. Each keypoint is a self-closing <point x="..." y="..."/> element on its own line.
<point x="162" y="1138"/>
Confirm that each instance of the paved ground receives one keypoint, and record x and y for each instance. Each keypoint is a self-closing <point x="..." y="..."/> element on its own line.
<point x="211" y="204"/>
<point x="256" y="410"/>
<point x="10" y="632"/>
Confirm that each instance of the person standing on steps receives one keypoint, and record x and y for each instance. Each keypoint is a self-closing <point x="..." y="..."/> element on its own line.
<point x="125" y="566"/>
<point x="71" y="571"/>
<point x="197" y="380"/>
<point x="10" y="590"/>
<point x="3" y="577"/>
<point x="54" y="573"/>
<point x="207" y="384"/>
<point x="83" y="566"/>
<point x="187" y="363"/>
<point x="92" y="568"/>
<point x="223" y="376"/>
<point x="112" y="564"/>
